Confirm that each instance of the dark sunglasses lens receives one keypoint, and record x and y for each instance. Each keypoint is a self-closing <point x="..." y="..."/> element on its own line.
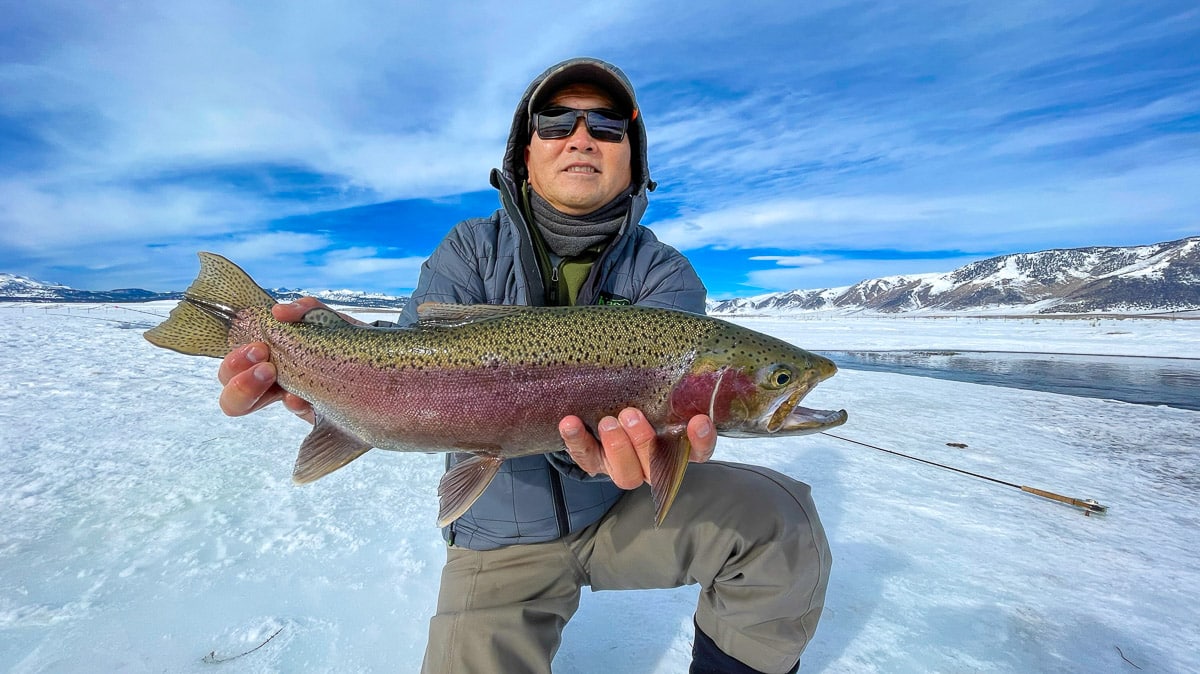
<point x="605" y="126"/>
<point x="555" y="123"/>
<point x="560" y="122"/>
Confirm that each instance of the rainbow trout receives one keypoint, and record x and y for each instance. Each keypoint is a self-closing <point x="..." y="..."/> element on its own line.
<point x="495" y="381"/>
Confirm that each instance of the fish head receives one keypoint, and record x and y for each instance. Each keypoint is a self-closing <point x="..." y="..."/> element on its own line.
<point x="751" y="384"/>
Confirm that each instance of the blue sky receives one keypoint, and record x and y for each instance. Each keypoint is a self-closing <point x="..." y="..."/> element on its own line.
<point x="796" y="144"/>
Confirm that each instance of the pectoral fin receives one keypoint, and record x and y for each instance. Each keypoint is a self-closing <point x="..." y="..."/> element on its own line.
<point x="667" y="467"/>
<point x="326" y="449"/>
<point x="462" y="485"/>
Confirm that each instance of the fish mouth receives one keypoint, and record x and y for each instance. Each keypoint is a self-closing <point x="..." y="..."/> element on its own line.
<point x="790" y="418"/>
<point x="803" y="420"/>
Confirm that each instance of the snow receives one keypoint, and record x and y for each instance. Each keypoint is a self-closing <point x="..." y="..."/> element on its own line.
<point x="1151" y="265"/>
<point x="21" y="285"/>
<point x="832" y="331"/>
<point x="141" y="530"/>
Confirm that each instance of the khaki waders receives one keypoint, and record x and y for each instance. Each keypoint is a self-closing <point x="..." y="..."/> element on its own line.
<point x="748" y="536"/>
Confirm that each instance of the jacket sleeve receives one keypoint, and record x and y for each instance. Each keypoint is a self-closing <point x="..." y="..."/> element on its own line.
<point x="674" y="284"/>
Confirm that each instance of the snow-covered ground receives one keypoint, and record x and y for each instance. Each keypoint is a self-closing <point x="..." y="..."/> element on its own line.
<point x="141" y="530"/>
<point x="828" y="331"/>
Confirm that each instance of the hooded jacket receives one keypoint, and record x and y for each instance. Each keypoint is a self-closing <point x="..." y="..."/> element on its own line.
<point x="492" y="260"/>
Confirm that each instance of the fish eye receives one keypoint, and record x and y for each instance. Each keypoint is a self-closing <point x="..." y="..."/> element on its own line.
<point x="780" y="377"/>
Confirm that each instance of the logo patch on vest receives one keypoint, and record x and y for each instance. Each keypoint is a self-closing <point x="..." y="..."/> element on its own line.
<point x="613" y="300"/>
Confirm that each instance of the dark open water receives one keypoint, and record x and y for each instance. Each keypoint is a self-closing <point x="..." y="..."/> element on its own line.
<point x="1135" y="379"/>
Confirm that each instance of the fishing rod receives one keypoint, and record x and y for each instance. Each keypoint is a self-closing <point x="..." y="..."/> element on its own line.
<point x="1088" y="505"/>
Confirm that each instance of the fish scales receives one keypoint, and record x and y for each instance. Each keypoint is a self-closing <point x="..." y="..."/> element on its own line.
<point x="484" y="377"/>
<point x="495" y="381"/>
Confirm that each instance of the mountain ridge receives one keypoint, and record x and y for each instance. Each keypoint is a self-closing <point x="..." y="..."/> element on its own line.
<point x="1154" y="278"/>
<point x="1148" y="279"/>
<point x="14" y="288"/>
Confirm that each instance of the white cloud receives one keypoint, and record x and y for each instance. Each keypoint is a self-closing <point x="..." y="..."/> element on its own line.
<point x="362" y="263"/>
<point x="790" y="260"/>
<point x="41" y="218"/>
<point x="1115" y="208"/>
<point x="1101" y="126"/>
<point x="935" y="126"/>
<point x="271" y="246"/>
<point x="802" y="223"/>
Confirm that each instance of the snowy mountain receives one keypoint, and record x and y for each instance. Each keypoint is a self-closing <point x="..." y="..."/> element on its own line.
<point x="1129" y="280"/>
<point x="23" y="286"/>
<point x="343" y="298"/>
<point x="23" y="289"/>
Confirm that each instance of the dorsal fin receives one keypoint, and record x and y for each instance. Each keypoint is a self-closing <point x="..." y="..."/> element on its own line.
<point x="437" y="314"/>
<point x="325" y="318"/>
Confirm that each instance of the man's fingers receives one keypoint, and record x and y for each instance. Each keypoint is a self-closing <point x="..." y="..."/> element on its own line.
<point x="294" y="311"/>
<point x="627" y="443"/>
<point x="703" y="436"/>
<point x="250" y="390"/>
<point x="620" y="457"/>
<point x="241" y="359"/>
<point x="582" y="447"/>
<point x="641" y="436"/>
<point x="300" y="407"/>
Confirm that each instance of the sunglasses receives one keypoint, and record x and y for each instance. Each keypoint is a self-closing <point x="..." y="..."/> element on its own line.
<point x="559" y="122"/>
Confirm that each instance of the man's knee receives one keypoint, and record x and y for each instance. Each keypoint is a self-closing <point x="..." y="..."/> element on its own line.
<point x="765" y="602"/>
<point x="766" y="505"/>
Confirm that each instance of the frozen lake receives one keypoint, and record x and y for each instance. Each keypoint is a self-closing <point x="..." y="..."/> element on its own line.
<point x="1132" y="379"/>
<point x="141" y="530"/>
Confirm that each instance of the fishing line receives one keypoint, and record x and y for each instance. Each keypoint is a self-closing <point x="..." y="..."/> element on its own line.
<point x="1089" y="506"/>
<point x="118" y="321"/>
<point x="104" y="308"/>
<point x="140" y="311"/>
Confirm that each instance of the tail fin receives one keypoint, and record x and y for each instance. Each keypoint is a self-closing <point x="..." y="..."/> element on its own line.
<point x="199" y="325"/>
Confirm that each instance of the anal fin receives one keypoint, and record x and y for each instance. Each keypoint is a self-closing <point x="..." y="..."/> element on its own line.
<point x="667" y="466"/>
<point x="324" y="450"/>
<point x="461" y="485"/>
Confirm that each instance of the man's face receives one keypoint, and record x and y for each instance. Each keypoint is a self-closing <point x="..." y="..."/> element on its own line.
<point x="578" y="174"/>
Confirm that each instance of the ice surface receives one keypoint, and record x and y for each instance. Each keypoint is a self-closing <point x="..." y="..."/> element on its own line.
<point x="141" y="530"/>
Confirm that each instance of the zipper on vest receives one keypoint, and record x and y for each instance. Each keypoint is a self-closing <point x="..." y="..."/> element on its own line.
<point x="560" y="502"/>
<point x="450" y="527"/>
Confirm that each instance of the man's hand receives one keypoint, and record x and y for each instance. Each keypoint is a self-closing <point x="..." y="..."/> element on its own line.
<point x="248" y="375"/>
<point x="626" y="444"/>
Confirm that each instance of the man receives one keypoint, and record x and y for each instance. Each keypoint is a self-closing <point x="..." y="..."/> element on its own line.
<point x="573" y="187"/>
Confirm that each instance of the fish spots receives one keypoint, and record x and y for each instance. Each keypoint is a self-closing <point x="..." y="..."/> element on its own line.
<point x="656" y="345"/>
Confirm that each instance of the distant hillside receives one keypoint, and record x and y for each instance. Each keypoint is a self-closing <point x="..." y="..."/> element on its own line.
<point x="343" y="298"/>
<point x="1130" y="280"/>
<point x="22" y="289"/>
<point x="1163" y="277"/>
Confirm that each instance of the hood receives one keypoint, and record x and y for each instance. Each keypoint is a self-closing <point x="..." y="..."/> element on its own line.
<point x="513" y="167"/>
